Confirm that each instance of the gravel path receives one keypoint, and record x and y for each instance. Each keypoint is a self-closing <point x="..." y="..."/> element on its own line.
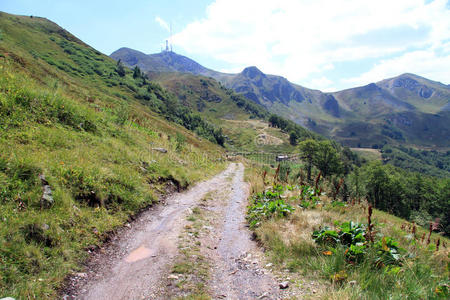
<point x="237" y="271"/>
<point x="136" y="263"/>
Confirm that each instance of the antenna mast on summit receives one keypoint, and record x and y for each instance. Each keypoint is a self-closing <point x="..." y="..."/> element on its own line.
<point x="168" y="47"/>
<point x="171" y="50"/>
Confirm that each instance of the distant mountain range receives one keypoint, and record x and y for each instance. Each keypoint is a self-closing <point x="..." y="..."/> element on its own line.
<point x="407" y="109"/>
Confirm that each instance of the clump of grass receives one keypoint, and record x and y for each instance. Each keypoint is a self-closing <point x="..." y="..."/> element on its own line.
<point x="192" y="267"/>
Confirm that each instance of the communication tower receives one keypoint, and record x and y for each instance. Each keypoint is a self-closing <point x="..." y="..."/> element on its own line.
<point x="168" y="47"/>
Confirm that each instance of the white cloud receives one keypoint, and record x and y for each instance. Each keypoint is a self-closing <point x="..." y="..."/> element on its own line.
<point x="301" y="39"/>
<point x="322" y="83"/>
<point x="162" y="23"/>
<point x="424" y="62"/>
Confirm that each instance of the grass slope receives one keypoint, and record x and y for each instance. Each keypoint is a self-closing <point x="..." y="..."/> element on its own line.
<point x="66" y="113"/>
<point x="243" y="122"/>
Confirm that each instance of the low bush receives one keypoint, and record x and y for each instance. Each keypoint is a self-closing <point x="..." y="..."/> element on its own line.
<point x="268" y="204"/>
<point x="352" y="236"/>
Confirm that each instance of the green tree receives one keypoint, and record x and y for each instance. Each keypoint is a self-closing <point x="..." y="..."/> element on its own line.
<point x="293" y="138"/>
<point x="386" y="189"/>
<point x="137" y="72"/>
<point x="120" y="69"/>
<point x="377" y="179"/>
<point x="308" y="149"/>
<point x="357" y="184"/>
<point x="326" y="158"/>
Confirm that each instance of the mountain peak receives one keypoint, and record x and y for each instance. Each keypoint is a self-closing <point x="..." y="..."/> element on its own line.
<point x="408" y="75"/>
<point x="124" y="50"/>
<point x="252" y="72"/>
<point x="166" y="61"/>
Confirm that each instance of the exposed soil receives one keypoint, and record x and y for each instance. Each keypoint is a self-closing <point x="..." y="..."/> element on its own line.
<point x="138" y="262"/>
<point x="266" y="139"/>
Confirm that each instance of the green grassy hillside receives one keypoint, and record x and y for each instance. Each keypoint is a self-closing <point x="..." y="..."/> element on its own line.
<point x="209" y="97"/>
<point x="76" y="157"/>
<point x="245" y="124"/>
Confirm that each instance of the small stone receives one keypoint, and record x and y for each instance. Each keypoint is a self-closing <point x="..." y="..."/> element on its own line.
<point x="45" y="227"/>
<point x="269" y="265"/>
<point x="162" y="150"/>
<point x="128" y="225"/>
<point x="314" y="291"/>
<point x="81" y="275"/>
<point x="284" y="285"/>
<point x="43" y="180"/>
<point x="47" y="198"/>
<point x="47" y="190"/>
<point x="263" y="296"/>
<point x="353" y="282"/>
<point x="172" y="276"/>
<point x="7" y="298"/>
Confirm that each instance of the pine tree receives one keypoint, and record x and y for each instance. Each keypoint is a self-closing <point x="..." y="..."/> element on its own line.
<point x="120" y="69"/>
<point x="137" y="72"/>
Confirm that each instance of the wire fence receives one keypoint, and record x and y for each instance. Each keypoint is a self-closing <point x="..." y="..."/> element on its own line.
<point x="269" y="158"/>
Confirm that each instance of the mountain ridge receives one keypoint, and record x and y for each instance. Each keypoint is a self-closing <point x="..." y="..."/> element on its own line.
<point x="249" y="71"/>
<point x="333" y="113"/>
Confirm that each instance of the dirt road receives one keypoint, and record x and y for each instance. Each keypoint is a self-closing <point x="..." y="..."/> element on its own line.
<point x="138" y="261"/>
<point x="238" y="273"/>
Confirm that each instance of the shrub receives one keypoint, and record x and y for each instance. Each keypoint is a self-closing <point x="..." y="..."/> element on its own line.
<point x="388" y="252"/>
<point x="309" y="196"/>
<point x="352" y="236"/>
<point x="180" y="141"/>
<point x="267" y="205"/>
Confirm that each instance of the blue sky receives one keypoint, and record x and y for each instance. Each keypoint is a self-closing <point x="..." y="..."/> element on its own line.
<point x="323" y="44"/>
